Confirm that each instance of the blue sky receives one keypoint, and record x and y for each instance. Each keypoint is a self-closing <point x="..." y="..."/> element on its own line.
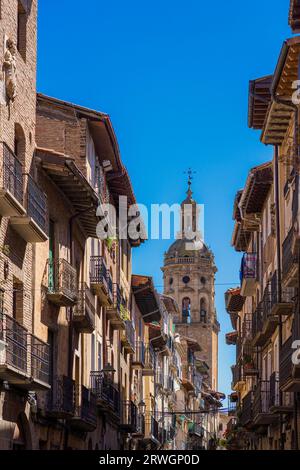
<point x="173" y="76"/>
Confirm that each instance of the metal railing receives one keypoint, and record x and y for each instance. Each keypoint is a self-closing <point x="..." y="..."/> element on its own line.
<point x="105" y="390"/>
<point x="98" y="271"/>
<point x="36" y="204"/>
<point x="274" y="389"/>
<point x="257" y="321"/>
<point x="85" y="307"/>
<point x="285" y="361"/>
<point x="129" y="415"/>
<point x="129" y="333"/>
<point x="149" y="356"/>
<point x="288" y="257"/>
<point x="246" y="411"/>
<point x="139" y="353"/>
<point x="12" y="174"/>
<point x="40" y="359"/>
<point x="15" y="337"/>
<point x="62" y="278"/>
<point x="85" y="407"/>
<point x="61" y="397"/>
<point x="116" y="297"/>
<point x="109" y="285"/>
<point x="261" y="402"/>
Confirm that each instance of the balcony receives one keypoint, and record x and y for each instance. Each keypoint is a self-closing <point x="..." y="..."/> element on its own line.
<point x="149" y="364"/>
<point x="262" y="415"/>
<point x="107" y="394"/>
<point x="276" y="405"/>
<point x="11" y="184"/>
<point x="115" y="311"/>
<point x="138" y="359"/>
<point x="289" y="373"/>
<point x="98" y="279"/>
<point x="62" y="283"/>
<point x="274" y="304"/>
<point x="246" y="411"/>
<point x="14" y="351"/>
<point x="248" y="274"/>
<point x="85" y="417"/>
<point x="289" y="261"/>
<point x="237" y="377"/>
<point x="188" y="377"/>
<point x="128" y="337"/>
<point x="40" y="364"/>
<point x="85" y="311"/>
<point x="129" y="417"/>
<point x="196" y="429"/>
<point x="61" y="398"/>
<point x="151" y="437"/>
<point x="32" y="227"/>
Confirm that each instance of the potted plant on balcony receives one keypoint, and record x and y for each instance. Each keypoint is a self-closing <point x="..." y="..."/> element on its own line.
<point x="248" y="363"/>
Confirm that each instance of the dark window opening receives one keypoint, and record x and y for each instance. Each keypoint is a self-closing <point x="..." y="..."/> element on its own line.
<point x="22" y="30"/>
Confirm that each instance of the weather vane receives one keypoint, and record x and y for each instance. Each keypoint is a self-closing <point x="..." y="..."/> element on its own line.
<point x="190" y="172"/>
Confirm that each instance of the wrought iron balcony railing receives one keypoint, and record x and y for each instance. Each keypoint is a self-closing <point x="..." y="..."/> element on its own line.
<point x="62" y="282"/>
<point x="138" y="358"/>
<point x="246" y="410"/>
<point x="106" y="392"/>
<point x="99" y="279"/>
<point x="149" y="360"/>
<point x="15" y="351"/>
<point x="12" y="174"/>
<point x="40" y="360"/>
<point x="85" y="416"/>
<point x="128" y="337"/>
<point x="261" y="402"/>
<point x="85" y="310"/>
<point x="61" y="397"/>
<point x="289" y="257"/>
<point x="36" y="204"/>
<point x="129" y="415"/>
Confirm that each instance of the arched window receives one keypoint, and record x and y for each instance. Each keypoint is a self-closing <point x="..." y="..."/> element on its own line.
<point x="186" y="310"/>
<point x="203" y="311"/>
<point x="20" y="143"/>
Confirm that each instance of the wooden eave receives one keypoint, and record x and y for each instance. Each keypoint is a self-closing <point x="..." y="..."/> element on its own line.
<point x="146" y="298"/>
<point x="64" y="173"/>
<point x="241" y="237"/>
<point x="257" y="188"/>
<point x="259" y="100"/>
<point x="192" y="344"/>
<point x="170" y="304"/>
<point x="294" y="16"/>
<point x="286" y="72"/>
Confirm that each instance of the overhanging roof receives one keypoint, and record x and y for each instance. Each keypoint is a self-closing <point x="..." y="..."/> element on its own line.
<point x="286" y="72"/>
<point x="63" y="171"/>
<point x="192" y="344"/>
<point x="257" y="188"/>
<point x="259" y="100"/>
<point x="146" y="298"/>
<point x="294" y="16"/>
<point x="170" y="304"/>
<point x="241" y="237"/>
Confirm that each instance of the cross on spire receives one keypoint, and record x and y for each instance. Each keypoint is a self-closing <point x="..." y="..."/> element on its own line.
<point x="190" y="172"/>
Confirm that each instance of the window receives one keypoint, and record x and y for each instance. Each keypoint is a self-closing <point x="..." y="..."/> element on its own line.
<point x="186" y="310"/>
<point x="186" y="279"/>
<point x="203" y="311"/>
<point x="22" y="30"/>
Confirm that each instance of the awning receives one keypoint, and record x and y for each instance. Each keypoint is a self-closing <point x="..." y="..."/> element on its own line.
<point x="192" y="344"/>
<point x="64" y="173"/>
<point x="146" y="298"/>
<point x="258" y="101"/>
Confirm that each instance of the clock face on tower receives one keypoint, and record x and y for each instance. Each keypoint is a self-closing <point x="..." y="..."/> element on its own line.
<point x="186" y="279"/>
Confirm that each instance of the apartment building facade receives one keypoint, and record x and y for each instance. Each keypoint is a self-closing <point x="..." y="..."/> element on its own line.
<point x="264" y="310"/>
